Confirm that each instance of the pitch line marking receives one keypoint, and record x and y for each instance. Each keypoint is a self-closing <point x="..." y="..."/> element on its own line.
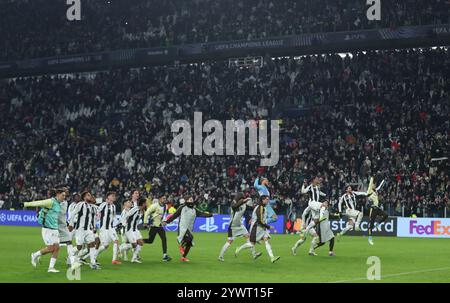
<point x="395" y="275"/>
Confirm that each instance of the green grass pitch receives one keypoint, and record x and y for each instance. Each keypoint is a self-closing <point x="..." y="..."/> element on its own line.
<point x="402" y="260"/>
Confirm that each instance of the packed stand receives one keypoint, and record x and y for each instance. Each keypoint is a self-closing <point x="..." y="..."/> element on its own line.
<point x="39" y="28"/>
<point x="382" y="114"/>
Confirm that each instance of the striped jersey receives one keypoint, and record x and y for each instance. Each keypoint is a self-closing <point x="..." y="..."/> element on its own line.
<point x="132" y="219"/>
<point x="313" y="191"/>
<point x="349" y="200"/>
<point x="83" y="217"/>
<point x="106" y="214"/>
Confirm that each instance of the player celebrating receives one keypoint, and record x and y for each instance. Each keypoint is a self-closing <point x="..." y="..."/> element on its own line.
<point x="307" y="217"/>
<point x="65" y="236"/>
<point x="313" y="190"/>
<point x="375" y="210"/>
<point x="83" y="222"/>
<point x="157" y="211"/>
<point x="48" y="218"/>
<point x="125" y="246"/>
<point x="354" y="215"/>
<point x="132" y="234"/>
<point x="135" y="195"/>
<point x="324" y="230"/>
<point x="236" y="228"/>
<point x="263" y="190"/>
<point x="187" y="214"/>
<point x="259" y="227"/>
<point x="107" y="213"/>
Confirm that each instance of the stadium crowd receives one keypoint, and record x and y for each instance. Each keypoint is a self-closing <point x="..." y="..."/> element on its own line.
<point x="383" y="113"/>
<point x="113" y="24"/>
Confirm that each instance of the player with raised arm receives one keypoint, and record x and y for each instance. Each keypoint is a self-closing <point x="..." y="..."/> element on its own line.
<point x="236" y="228"/>
<point x="259" y="228"/>
<point x="187" y="214"/>
<point x="375" y="210"/>
<point x="263" y="190"/>
<point x="48" y="218"/>
<point x="348" y="200"/>
<point x="313" y="190"/>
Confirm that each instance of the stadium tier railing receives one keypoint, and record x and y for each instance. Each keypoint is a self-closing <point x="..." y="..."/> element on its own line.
<point x="401" y="37"/>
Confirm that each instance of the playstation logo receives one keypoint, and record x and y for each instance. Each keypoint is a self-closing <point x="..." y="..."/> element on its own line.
<point x="209" y="225"/>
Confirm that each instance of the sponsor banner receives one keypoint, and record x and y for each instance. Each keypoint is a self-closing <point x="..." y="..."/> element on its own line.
<point x="18" y="218"/>
<point x="219" y="223"/>
<point x="388" y="228"/>
<point x="423" y="227"/>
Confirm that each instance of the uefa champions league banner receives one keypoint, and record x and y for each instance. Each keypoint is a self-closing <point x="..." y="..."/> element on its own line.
<point x="220" y="223"/>
<point x="423" y="227"/>
<point x="18" y="218"/>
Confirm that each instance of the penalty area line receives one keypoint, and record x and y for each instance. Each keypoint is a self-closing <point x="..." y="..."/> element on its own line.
<point x="395" y="275"/>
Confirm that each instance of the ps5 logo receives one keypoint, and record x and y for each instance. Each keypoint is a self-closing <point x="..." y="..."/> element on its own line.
<point x="209" y="225"/>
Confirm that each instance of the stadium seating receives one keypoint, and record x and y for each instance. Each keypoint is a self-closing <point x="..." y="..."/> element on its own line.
<point x="383" y="113"/>
<point x="113" y="24"/>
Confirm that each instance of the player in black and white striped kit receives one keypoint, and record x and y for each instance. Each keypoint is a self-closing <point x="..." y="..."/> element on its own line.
<point x="107" y="232"/>
<point x="132" y="234"/>
<point x="348" y="200"/>
<point x="83" y="222"/>
<point x="313" y="190"/>
<point x="237" y="228"/>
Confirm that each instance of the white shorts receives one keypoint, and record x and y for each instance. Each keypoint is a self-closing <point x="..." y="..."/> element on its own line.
<point x="84" y="236"/>
<point x="315" y="209"/>
<point x="237" y="231"/>
<point x="258" y="233"/>
<point x="64" y="235"/>
<point x="312" y="232"/>
<point x="133" y="236"/>
<point x="352" y="213"/>
<point x="50" y="236"/>
<point x="107" y="236"/>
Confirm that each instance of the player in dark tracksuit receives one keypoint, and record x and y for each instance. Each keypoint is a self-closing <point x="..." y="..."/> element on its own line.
<point x="375" y="210"/>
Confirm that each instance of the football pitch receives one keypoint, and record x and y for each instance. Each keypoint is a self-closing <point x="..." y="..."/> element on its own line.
<point x="402" y="260"/>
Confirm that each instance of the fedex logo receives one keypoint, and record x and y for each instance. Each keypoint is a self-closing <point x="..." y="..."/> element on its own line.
<point x="435" y="228"/>
<point x="423" y="227"/>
